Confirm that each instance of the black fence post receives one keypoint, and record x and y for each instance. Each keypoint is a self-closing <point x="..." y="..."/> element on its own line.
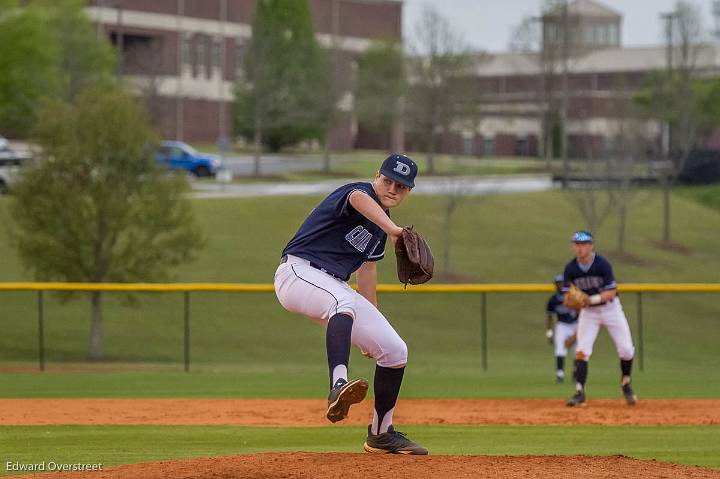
<point x="641" y="349"/>
<point x="483" y="331"/>
<point x="186" y="295"/>
<point x="41" y="332"/>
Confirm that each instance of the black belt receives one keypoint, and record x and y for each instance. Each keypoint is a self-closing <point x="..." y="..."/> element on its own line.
<point x="284" y="259"/>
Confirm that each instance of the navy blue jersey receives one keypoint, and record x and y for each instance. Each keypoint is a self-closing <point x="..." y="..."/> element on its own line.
<point x="336" y="238"/>
<point x="564" y="314"/>
<point x="593" y="279"/>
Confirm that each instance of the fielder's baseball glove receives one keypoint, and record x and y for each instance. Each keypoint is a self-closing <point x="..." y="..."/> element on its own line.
<point x="570" y="340"/>
<point x="415" y="261"/>
<point x="576" y="298"/>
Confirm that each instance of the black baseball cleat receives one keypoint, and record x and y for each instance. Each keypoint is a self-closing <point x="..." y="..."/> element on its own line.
<point x="630" y="397"/>
<point x="578" y="400"/>
<point x="392" y="442"/>
<point x="343" y="395"/>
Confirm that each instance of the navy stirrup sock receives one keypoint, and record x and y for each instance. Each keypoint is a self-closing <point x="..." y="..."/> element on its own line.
<point x="581" y="371"/>
<point x="387" y="387"/>
<point x="337" y="342"/>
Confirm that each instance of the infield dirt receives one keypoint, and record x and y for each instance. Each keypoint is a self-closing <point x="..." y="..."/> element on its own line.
<point x="310" y="412"/>
<point x="305" y="412"/>
<point x="363" y="466"/>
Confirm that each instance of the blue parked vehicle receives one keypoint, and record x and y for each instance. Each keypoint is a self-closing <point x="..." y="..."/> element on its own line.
<point x="177" y="155"/>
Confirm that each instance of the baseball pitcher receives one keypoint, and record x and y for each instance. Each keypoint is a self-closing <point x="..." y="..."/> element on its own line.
<point x="344" y="234"/>
<point x="591" y="289"/>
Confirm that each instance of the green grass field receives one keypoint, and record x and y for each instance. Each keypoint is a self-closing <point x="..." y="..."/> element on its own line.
<point x="247" y="346"/>
<point x="113" y="445"/>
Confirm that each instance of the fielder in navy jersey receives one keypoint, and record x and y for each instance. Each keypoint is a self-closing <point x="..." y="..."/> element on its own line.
<point x="594" y="275"/>
<point x="345" y="234"/>
<point x="562" y="335"/>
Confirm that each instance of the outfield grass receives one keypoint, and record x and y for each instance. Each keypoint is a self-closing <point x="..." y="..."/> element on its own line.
<point x="247" y="346"/>
<point x="113" y="445"/>
<point x="506" y="379"/>
<point x="504" y="238"/>
<point x="709" y="195"/>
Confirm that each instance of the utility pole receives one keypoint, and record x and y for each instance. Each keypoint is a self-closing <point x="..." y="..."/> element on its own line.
<point x="335" y="6"/>
<point x="120" y="38"/>
<point x="98" y="24"/>
<point x="222" y="114"/>
<point x="565" y="94"/>
<point x="181" y="46"/>
<point x="669" y="18"/>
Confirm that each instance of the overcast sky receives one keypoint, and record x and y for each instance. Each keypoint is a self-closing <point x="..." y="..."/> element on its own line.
<point x="486" y="24"/>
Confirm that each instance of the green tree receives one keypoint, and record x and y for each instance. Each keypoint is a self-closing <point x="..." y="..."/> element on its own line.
<point x="28" y="69"/>
<point x="96" y="208"/>
<point x="380" y="86"/>
<point x="438" y="92"/>
<point x="84" y="60"/>
<point x="47" y="49"/>
<point x="673" y="97"/>
<point x="280" y="99"/>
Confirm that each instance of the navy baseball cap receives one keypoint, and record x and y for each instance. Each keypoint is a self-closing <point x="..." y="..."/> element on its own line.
<point x="582" y="237"/>
<point x="401" y="169"/>
<point x="559" y="278"/>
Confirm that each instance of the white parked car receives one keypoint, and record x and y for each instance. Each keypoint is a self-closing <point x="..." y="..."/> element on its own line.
<point x="10" y="162"/>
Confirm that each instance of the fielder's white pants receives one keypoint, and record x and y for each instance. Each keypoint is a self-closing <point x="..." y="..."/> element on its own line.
<point x="319" y="296"/>
<point x="611" y="316"/>
<point x="562" y="332"/>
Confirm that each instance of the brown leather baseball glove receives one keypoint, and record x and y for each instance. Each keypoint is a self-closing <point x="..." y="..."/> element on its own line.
<point x="415" y="262"/>
<point x="576" y="298"/>
<point x="570" y="340"/>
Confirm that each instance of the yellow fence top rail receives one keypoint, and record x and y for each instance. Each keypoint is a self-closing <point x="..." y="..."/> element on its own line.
<point x="382" y="288"/>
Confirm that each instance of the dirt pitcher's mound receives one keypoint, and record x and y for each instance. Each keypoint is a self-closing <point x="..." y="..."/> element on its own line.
<point x="364" y="466"/>
<point x="311" y="412"/>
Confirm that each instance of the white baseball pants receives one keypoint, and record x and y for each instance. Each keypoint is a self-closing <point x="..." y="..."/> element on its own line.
<point x="562" y="332"/>
<point x="300" y="288"/>
<point x="611" y="316"/>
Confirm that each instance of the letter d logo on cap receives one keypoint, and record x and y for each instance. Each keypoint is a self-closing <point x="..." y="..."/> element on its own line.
<point x="402" y="168"/>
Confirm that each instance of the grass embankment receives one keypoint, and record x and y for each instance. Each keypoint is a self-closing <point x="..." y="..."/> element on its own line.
<point x="259" y="349"/>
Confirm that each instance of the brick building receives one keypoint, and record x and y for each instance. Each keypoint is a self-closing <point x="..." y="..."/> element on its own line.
<point x="517" y="90"/>
<point x="184" y="56"/>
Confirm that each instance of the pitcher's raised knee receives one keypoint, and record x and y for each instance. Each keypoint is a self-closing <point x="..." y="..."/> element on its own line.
<point x="394" y="355"/>
<point x="626" y="352"/>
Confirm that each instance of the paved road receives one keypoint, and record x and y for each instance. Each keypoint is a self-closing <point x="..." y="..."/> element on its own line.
<point x="426" y="186"/>
<point x="243" y="165"/>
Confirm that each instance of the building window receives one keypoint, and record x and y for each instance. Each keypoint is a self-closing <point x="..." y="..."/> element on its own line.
<point x="200" y="57"/>
<point x="240" y="51"/>
<point x="614" y="35"/>
<point x="488" y="146"/>
<point x="468" y="145"/>
<point x="604" y="32"/>
<point x="187" y="39"/>
<point x="216" y="52"/>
